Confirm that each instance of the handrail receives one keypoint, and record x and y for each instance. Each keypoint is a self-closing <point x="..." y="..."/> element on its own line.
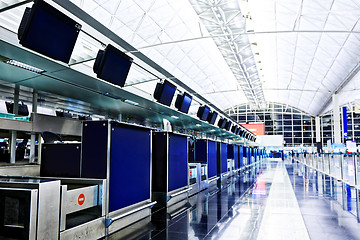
<point x="109" y="221"/>
<point x="180" y="192"/>
<point x="214" y="179"/>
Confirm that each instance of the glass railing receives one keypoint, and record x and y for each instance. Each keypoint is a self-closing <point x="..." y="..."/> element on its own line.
<point x="341" y="171"/>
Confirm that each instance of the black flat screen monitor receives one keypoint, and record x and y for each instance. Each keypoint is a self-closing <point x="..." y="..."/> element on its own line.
<point x="228" y="125"/>
<point x="212" y="117"/>
<point x="48" y="31"/>
<point x="183" y="102"/>
<point x="112" y="65"/>
<point x="234" y="129"/>
<point x="222" y="123"/>
<point x="203" y="112"/>
<point x="164" y="92"/>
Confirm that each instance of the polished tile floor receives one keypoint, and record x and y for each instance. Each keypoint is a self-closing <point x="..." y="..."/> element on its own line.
<point x="273" y="200"/>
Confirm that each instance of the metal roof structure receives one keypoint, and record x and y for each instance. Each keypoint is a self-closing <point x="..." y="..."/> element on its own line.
<point x="229" y="52"/>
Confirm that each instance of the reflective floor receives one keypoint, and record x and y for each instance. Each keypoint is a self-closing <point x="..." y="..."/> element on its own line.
<point x="274" y="200"/>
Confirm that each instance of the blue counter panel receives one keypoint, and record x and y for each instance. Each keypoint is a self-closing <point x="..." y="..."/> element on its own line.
<point x="178" y="162"/>
<point x="223" y="157"/>
<point x="236" y="156"/>
<point x="129" y="166"/>
<point x="201" y="151"/>
<point x="230" y="151"/>
<point x="241" y="155"/>
<point x="212" y="165"/>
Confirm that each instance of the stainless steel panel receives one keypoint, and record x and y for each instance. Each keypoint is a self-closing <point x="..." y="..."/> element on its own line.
<point x="195" y="189"/>
<point x="62" y="209"/>
<point x="81" y="198"/>
<point x="25" y="170"/>
<point x="128" y="220"/>
<point x="137" y="230"/>
<point x="12" y="124"/>
<point x="91" y="230"/>
<point x="177" y="197"/>
<point x="57" y="125"/>
<point x="48" y="210"/>
<point x="33" y="214"/>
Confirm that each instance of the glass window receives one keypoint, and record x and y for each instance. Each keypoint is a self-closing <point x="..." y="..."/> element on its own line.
<point x="297" y="122"/>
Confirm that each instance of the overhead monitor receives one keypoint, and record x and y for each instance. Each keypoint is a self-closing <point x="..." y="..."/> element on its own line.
<point x="164" y="92"/>
<point x="212" y="117"/>
<point x="203" y="112"/>
<point x="183" y="102"/>
<point x="228" y="125"/>
<point x="234" y="129"/>
<point x="112" y="65"/>
<point x="222" y="123"/>
<point x="238" y="131"/>
<point x="48" y="31"/>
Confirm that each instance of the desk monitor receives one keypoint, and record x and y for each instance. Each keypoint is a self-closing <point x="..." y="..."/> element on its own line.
<point x="48" y="31"/>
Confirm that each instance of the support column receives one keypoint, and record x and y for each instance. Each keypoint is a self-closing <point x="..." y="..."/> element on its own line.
<point x="13" y="132"/>
<point x="336" y="114"/>
<point x="33" y="135"/>
<point x="317" y="129"/>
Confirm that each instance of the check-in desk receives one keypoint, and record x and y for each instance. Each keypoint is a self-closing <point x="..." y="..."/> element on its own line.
<point x="222" y="163"/>
<point x="205" y="154"/>
<point x="170" y="180"/>
<point x="49" y="208"/>
<point x="121" y="154"/>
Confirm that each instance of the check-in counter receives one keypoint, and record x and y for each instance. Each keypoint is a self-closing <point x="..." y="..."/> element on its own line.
<point x="121" y="154"/>
<point x="170" y="179"/>
<point x="49" y="208"/>
<point x="222" y="163"/>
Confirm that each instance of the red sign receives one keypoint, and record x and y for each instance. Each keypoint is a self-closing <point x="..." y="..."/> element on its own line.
<point x="256" y="128"/>
<point x="81" y="199"/>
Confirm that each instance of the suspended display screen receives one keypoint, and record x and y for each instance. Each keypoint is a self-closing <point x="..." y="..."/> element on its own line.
<point x="203" y="112"/>
<point x="212" y="117"/>
<point x="222" y="123"/>
<point x="228" y="125"/>
<point x="183" y="102"/>
<point x="112" y="65"/>
<point x="164" y="92"/>
<point x="48" y="31"/>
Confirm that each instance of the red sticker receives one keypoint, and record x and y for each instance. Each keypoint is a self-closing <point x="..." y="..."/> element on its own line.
<point x="81" y="199"/>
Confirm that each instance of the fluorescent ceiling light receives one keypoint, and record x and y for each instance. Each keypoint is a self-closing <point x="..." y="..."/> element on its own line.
<point x="130" y="102"/>
<point x="24" y="66"/>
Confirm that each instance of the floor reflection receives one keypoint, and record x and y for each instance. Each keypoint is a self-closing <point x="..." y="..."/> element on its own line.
<point x="238" y="210"/>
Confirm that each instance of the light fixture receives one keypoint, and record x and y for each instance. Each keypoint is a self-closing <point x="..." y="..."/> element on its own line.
<point x="131" y="102"/>
<point x="24" y="66"/>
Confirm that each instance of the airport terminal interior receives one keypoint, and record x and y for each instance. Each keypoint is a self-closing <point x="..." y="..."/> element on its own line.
<point x="186" y="119"/>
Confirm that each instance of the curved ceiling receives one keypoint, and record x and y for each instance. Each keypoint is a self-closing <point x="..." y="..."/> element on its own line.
<point x="296" y="52"/>
<point x="305" y="50"/>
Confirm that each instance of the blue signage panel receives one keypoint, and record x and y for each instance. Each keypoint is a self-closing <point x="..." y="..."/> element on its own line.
<point x="345" y="126"/>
